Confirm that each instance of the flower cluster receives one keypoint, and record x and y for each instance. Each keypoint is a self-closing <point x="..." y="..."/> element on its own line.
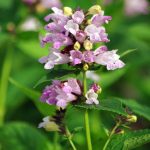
<point x="61" y="93"/>
<point x="73" y="34"/>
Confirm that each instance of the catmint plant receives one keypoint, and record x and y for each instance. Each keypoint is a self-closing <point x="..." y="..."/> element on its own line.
<point x="73" y="35"/>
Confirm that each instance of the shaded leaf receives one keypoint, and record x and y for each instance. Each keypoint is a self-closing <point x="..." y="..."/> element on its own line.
<point x="21" y="136"/>
<point x="44" y="108"/>
<point x="57" y="74"/>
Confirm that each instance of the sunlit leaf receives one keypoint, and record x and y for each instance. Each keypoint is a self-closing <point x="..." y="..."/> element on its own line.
<point x="129" y="140"/>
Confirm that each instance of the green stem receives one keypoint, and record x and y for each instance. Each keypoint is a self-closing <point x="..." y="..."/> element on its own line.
<point x="55" y="140"/>
<point x="70" y="139"/>
<point x="87" y="127"/>
<point x="111" y="134"/>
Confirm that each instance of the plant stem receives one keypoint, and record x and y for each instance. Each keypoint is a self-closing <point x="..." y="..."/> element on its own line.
<point x="87" y="127"/>
<point x="70" y="139"/>
<point x="111" y="134"/>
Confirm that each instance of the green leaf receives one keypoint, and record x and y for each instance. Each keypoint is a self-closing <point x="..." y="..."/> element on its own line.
<point x="4" y="81"/>
<point x="32" y="48"/>
<point x="111" y="105"/>
<point x="129" y="140"/>
<point x="44" y="108"/>
<point x="57" y="74"/>
<point x="21" y="136"/>
<point x="127" y="52"/>
<point x="137" y="108"/>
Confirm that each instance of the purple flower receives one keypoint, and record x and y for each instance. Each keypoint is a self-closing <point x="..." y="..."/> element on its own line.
<point x="54" y="58"/>
<point x="109" y="59"/>
<point x="88" y="56"/>
<point x="100" y="19"/>
<point x="49" y="94"/>
<point x="76" y="57"/>
<point x="56" y="37"/>
<point x="100" y="50"/>
<point x="80" y="36"/>
<point x="53" y="27"/>
<point x="91" y="97"/>
<point x="61" y="93"/>
<point x="78" y="17"/>
<point x="95" y="87"/>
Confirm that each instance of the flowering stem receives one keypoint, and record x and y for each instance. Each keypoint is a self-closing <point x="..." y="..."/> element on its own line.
<point x="70" y="139"/>
<point x="87" y="127"/>
<point x="111" y="134"/>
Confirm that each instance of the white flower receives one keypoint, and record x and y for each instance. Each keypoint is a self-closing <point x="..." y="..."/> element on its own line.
<point x="48" y="124"/>
<point x="57" y="11"/>
<point x="30" y="24"/>
<point x="72" y="27"/>
<point x="109" y="59"/>
<point x="91" y="97"/>
<point x="93" y="32"/>
<point x="92" y="75"/>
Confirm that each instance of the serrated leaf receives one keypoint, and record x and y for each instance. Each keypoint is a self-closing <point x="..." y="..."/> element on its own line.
<point x="129" y="140"/>
<point x="21" y="136"/>
<point x="44" y="108"/>
<point x="111" y="105"/>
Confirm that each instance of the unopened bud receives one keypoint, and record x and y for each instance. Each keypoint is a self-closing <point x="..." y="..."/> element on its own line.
<point x="85" y="67"/>
<point x="77" y="46"/>
<point x="132" y="118"/>
<point x="88" y="45"/>
<point x="119" y="131"/>
<point x="89" y="21"/>
<point x="96" y="9"/>
<point x="67" y="11"/>
<point x="39" y="8"/>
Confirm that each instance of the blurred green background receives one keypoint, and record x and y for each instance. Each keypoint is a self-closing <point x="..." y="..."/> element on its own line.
<point x="21" y="25"/>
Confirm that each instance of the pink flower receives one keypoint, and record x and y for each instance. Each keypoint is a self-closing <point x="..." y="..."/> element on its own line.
<point x="88" y="56"/>
<point x="91" y="97"/>
<point x="73" y="84"/>
<point x="72" y="27"/>
<point x="100" y="19"/>
<point x="78" y="17"/>
<point x="80" y="36"/>
<point x="109" y="59"/>
<point x="133" y="7"/>
<point x="76" y="57"/>
<point x="53" y="27"/>
<point x="51" y="3"/>
<point x="54" y="58"/>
